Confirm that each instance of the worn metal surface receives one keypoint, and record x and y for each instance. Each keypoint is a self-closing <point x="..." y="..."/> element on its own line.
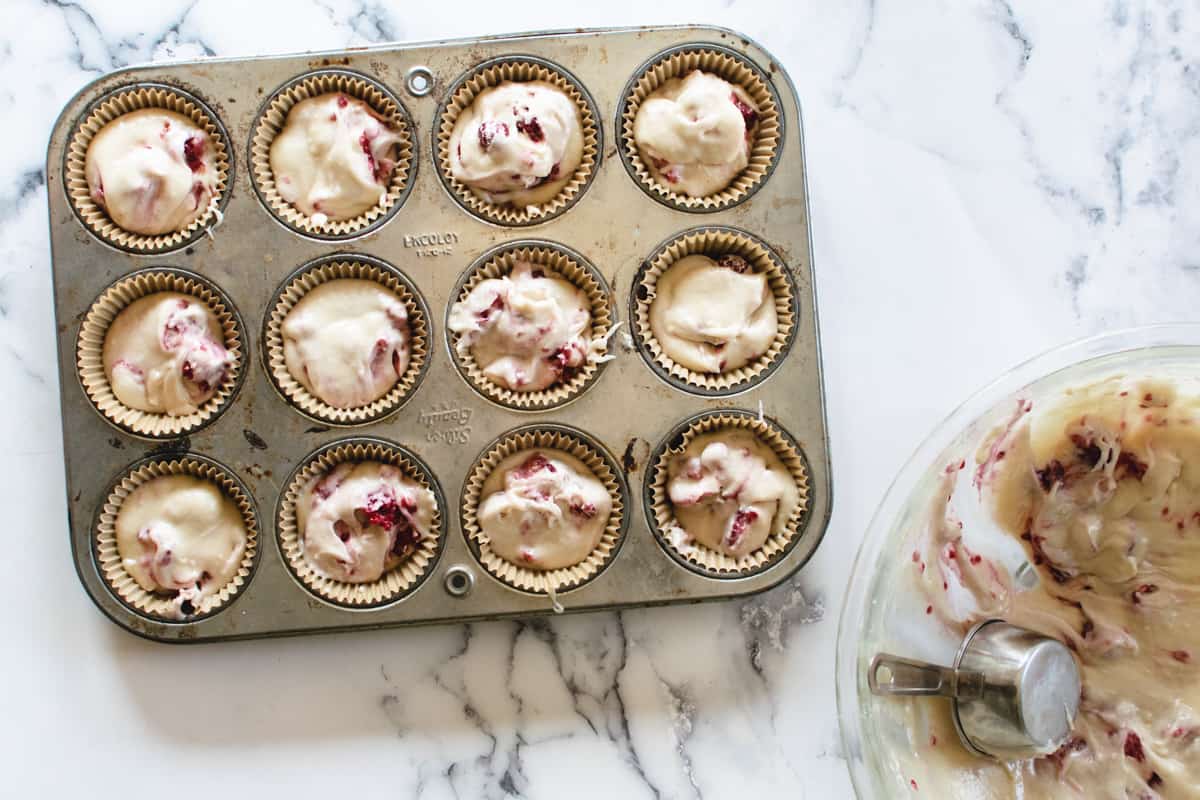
<point x="432" y="240"/>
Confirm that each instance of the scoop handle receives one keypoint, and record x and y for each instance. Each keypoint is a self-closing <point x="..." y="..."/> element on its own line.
<point x="889" y="674"/>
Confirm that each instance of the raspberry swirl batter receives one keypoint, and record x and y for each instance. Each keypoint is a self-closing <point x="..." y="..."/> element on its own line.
<point x="360" y="520"/>
<point x="164" y="354"/>
<point x="729" y="491"/>
<point x="334" y="158"/>
<point x="1102" y="490"/>
<point x="181" y="536"/>
<point x="543" y="509"/>
<point x="152" y="170"/>
<point x="527" y="330"/>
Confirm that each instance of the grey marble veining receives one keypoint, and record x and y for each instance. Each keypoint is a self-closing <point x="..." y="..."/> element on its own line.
<point x="988" y="179"/>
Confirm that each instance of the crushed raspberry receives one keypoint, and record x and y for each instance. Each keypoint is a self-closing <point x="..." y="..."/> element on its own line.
<point x="1154" y="781"/>
<point x="1182" y="656"/>
<point x="1129" y="464"/>
<point x="913" y="783"/>
<point x="198" y="191"/>
<point x="193" y="153"/>
<point x="928" y="609"/>
<point x="976" y="559"/>
<point x="932" y="740"/>
<point x="744" y="518"/>
<point x="585" y="510"/>
<point x="1073" y="745"/>
<point x="1051" y="474"/>
<point x="488" y="130"/>
<point x="537" y="273"/>
<point x="380" y="170"/>
<point x="733" y="262"/>
<point x="1086" y="450"/>
<point x="532" y="465"/>
<point x="1145" y="588"/>
<point x="565" y="361"/>
<point x="342" y="101"/>
<point x="497" y="305"/>
<point x="749" y="115"/>
<point x="1133" y="747"/>
<point x="531" y="128"/>
<point x="342" y="530"/>
<point x="527" y="556"/>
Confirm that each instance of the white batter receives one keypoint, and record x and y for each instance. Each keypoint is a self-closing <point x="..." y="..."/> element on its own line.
<point x="517" y="143"/>
<point x="713" y="316"/>
<point x="695" y="134"/>
<point x="527" y="330"/>
<point x="360" y="520"/>
<point x="179" y="534"/>
<point x="164" y="354"/>
<point x="347" y="342"/>
<point x="730" y="491"/>
<point x="152" y="170"/>
<point x="334" y="158"/>
<point x="543" y="509"/>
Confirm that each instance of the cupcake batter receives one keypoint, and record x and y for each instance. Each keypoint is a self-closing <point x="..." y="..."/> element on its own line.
<point x="334" y="158"/>
<point x="695" y="133"/>
<point x="729" y="491"/>
<point x="1102" y="489"/>
<point x="543" y="509"/>
<point x="527" y="330"/>
<point x="164" y="354"/>
<point x="517" y="143"/>
<point x="713" y="316"/>
<point x="180" y="535"/>
<point x="152" y="170"/>
<point x="360" y="520"/>
<point x="347" y="342"/>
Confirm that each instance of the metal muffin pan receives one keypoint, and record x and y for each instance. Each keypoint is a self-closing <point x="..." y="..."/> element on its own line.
<point x="630" y="409"/>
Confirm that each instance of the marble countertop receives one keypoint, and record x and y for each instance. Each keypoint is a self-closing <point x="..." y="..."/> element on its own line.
<point x="988" y="179"/>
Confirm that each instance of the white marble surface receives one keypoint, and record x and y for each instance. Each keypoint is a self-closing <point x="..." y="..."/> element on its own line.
<point x="988" y="179"/>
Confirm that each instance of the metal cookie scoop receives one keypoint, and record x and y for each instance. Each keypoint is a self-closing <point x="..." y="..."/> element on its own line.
<point x="1015" y="693"/>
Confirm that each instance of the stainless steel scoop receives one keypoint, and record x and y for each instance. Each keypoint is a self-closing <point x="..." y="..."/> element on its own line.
<point x="1014" y="692"/>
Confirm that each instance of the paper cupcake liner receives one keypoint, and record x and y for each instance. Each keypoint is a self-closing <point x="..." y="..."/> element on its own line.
<point x="555" y="581"/>
<point x="695" y="555"/>
<point x="396" y="583"/>
<point x="159" y="607"/>
<point x="271" y="121"/>
<point x="714" y="242"/>
<point x="340" y="267"/>
<point x="124" y="101"/>
<point x="518" y="69"/>
<point x="734" y="68"/>
<point x="90" y="351"/>
<point x="556" y="261"/>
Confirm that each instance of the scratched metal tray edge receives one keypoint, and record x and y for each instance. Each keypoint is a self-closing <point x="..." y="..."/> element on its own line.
<point x="822" y="495"/>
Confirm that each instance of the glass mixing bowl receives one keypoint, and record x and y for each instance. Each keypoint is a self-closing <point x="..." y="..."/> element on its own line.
<point x="882" y="609"/>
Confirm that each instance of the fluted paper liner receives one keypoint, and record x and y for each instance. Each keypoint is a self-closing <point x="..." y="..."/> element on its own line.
<point x="555" y="581"/>
<point x="272" y="120"/>
<point x="340" y="268"/>
<point x="670" y="533"/>
<point x="555" y="263"/>
<point x="90" y="352"/>
<point x="714" y="243"/>
<point x="124" y="101"/>
<point x="108" y="559"/>
<point x="518" y="70"/>
<point x="733" y="68"/>
<point x="396" y="582"/>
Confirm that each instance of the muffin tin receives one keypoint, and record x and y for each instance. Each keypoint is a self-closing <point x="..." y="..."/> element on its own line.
<point x="630" y="410"/>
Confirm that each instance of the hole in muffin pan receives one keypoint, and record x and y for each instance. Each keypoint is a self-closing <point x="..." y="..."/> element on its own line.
<point x="354" y="266"/>
<point x="269" y="122"/>
<point x="764" y="156"/>
<point x="107" y="561"/>
<point x="493" y="260"/>
<point x="793" y="458"/>
<point x="419" y="81"/>
<point x="714" y="241"/>
<point x="466" y="88"/>
<point x="130" y="98"/>
<point x="459" y="581"/>
<point x="338" y="594"/>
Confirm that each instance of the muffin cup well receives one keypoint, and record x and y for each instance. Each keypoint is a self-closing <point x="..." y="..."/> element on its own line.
<point x="714" y="242"/>
<point x="341" y="267"/>
<point x="271" y="120"/>
<point x="671" y="535"/>
<point x="162" y="608"/>
<point x="734" y="68"/>
<point x="396" y="583"/>
<point x="603" y="467"/>
<point x="518" y="69"/>
<point x="556" y="261"/>
<point x="90" y="351"/>
<point x="126" y="100"/>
